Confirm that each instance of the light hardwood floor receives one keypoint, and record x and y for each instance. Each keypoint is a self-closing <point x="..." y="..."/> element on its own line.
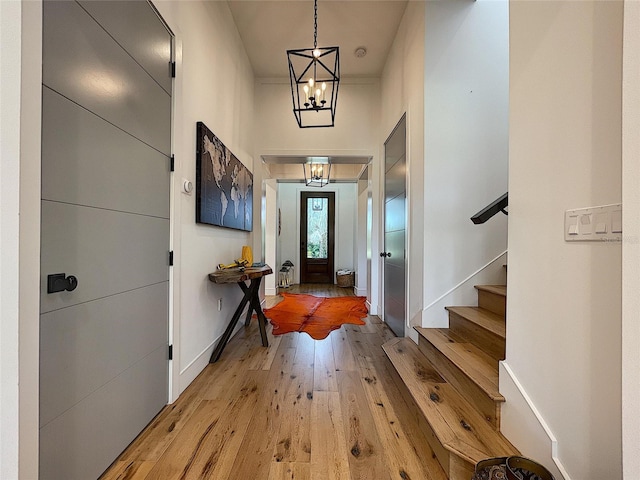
<point x="300" y="409"/>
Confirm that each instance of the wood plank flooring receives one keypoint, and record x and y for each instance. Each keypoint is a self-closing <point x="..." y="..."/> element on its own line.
<point x="301" y="409"/>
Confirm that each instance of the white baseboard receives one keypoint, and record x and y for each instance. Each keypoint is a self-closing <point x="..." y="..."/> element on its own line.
<point x="193" y="369"/>
<point x="434" y="315"/>
<point x="412" y="334"/>
<point x="373" y="309"/>
<point x="360" y="292"/>
<point x="270" y="291"/>
<point x="189" y="373"/>
<point x="523" y="425"/>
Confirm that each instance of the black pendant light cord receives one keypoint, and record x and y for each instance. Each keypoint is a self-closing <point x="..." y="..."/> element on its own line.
<point x="315" y="48"/>
<point x="315" y="24"/>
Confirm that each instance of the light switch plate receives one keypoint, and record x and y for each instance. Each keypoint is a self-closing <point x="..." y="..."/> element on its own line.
<point x="594" y="224"/>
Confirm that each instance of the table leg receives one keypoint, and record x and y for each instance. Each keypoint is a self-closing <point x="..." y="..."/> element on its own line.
<point x="254" y="306"/>
<point x="262" y="320"/>
<point x="244" y="288"/>
<point x="227" y="333"/>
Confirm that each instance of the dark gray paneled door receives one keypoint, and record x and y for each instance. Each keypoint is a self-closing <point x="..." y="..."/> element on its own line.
<point x="395" y="199"/>
<point x="106" y="140"/>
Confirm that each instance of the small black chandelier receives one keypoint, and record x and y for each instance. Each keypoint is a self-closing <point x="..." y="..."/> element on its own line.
<point x="317" y="172"/>
<point x="315" y="76"/>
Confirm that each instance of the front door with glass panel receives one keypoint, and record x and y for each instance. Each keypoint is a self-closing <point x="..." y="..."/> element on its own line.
<point x="317" y="218"/>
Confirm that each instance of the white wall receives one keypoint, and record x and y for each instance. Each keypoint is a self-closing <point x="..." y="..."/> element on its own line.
<point x="271" y="235"/>
<point x="20" y="118"/>
<point x="356" y="131"/>
<point x="356" y="126"/>
<point x="30" y="174"/>
<point x="466" y="142"/>
<point x="403" y="92"/>
<point x="345" y="223"/>
<point x="214" y="84"/>
<point x="10" y="50"/>
<point x="361" y="252"/>
<point x="564" y="308"/>
<point x="631" y="242"/>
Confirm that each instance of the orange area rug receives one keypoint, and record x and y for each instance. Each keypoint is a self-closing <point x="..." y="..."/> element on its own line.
<point x="317" y="316"/>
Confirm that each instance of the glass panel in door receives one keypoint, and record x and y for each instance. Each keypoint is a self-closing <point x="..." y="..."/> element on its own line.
<point x="317" y="217"/>
<point x="317" y="227"/>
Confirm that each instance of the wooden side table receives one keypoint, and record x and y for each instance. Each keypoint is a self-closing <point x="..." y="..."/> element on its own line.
<point x="254" y="276"/>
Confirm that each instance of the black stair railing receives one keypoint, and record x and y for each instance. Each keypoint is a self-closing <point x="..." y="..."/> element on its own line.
<point x="490" y="210"/>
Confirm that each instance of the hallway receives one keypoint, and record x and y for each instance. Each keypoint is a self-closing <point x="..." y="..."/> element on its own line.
<point x="300" y="409"/>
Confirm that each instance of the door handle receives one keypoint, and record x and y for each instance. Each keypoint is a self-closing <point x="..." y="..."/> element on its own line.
<point x="59" y="282"/>
<point x="385" y="254"/>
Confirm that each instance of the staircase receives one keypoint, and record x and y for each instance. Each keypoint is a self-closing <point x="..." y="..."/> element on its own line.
<point x="451" y="380"/>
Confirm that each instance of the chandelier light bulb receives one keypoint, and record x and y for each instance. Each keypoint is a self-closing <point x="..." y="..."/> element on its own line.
<point x="316" y="53"/>
<point x="306" y="94"/>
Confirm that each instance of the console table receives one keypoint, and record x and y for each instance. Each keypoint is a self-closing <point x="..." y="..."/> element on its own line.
<point x="251" y="296"/>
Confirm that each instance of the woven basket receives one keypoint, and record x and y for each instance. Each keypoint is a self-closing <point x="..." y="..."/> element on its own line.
<point x="510" y="468"/>
<point x="346" y="279"/>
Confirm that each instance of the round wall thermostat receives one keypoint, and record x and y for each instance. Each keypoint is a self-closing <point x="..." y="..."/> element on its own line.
<point x="187" y="186"/>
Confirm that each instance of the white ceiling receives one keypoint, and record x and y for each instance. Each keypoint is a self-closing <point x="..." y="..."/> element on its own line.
<point x="269" y="28"/>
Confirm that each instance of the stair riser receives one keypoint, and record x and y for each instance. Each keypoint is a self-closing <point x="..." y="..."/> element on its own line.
<point x="492" y="344"/>
<point x="455" y="467"/>
<point x="460" y="469"/>
<point x="493" y="302"/>
<point x="457" y="432"/>
<point x="461" y="382"/>
<point x="441" y="453"/>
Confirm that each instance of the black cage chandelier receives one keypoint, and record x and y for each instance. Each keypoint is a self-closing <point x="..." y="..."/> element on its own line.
<point x="315" y="75"/>
<point x="317" y="172"/>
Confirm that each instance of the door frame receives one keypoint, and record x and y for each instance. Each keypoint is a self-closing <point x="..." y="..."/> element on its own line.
<point x="331" y="196"/>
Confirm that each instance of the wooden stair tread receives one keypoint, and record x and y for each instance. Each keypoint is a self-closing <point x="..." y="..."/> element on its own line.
<point x="486" y="319"/>
<point x="458" y="427"/>
<point x="497" y="289"/>
<point x="473" y="362"/>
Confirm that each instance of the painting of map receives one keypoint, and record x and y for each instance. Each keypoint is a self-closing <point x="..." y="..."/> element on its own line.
<point x="224" y="186"/>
